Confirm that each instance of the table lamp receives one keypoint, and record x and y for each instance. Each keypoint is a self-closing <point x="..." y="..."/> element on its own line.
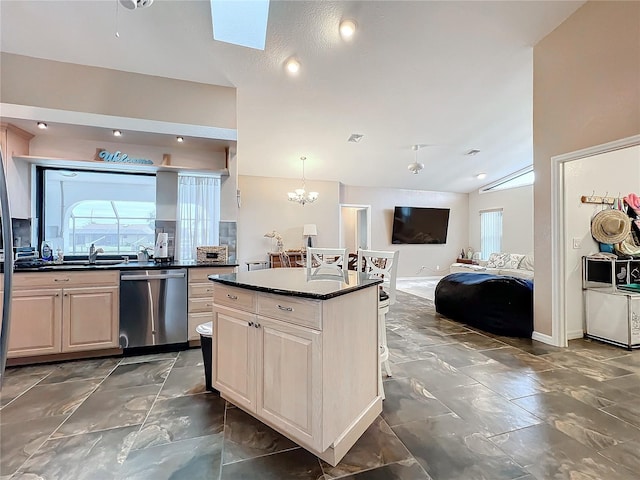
<point x="309" y="231"/>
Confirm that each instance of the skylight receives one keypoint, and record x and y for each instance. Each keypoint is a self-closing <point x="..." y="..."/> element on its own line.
<point x="241" y="22"/>
<point x="520" y="178"/>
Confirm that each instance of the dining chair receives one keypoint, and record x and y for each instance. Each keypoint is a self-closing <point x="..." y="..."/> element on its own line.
<point x="327" y="258"/>
<point x="381" y="264"/>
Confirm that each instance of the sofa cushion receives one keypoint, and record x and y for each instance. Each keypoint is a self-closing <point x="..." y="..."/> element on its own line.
<point x="498" y="260"/>
<point x="512" y="272"/>
<point x="527" y="262"/>
<point x="514" y="260"/>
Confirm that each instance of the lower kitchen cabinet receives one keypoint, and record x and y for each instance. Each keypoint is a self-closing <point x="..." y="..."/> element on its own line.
<point x="36" y="322"/>
<point x="58" y="313"/>
<point x="90" y="318"/>
<point x="200" y="299"/>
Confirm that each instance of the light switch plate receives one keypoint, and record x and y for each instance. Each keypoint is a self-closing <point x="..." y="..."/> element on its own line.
<point x="577" y="243"/>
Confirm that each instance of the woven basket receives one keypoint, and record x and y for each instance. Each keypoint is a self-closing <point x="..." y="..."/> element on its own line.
<point x="212" y="254"/>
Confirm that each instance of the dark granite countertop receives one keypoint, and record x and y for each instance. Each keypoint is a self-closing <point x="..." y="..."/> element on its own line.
<point x="298" y="282"/>
<point x="53" y="267"/>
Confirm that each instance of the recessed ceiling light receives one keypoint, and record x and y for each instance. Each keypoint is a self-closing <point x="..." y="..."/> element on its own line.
<point x="180" y="139"/>
<point x="42" y="125"/>
<point x="481" y="176"/>
<point x="355" y="137"/>
<point x="347" y="29"/>
<point x="117" y="133"/>
<point x="292" y="65"/>
<point x="473" y="152"/>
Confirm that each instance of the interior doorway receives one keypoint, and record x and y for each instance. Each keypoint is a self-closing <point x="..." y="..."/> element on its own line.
<point x="355" y="227"/>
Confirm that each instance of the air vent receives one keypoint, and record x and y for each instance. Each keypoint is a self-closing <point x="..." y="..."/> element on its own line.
<point x="355" y="138"/>
<point x="473" y="152"/>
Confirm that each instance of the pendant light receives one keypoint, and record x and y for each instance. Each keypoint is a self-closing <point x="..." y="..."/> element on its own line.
<point x="300" y="195"/>
<point x="416" y="166"/>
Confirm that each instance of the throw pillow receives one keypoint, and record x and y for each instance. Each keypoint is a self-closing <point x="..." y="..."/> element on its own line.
<point x="497" y="260"/>
<point x="527" y="263"/>
<point x="514" y="260"/>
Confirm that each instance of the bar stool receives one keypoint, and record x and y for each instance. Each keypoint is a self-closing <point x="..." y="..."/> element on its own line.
<point x="327" y="259"/>
<point x="382" y="264"/>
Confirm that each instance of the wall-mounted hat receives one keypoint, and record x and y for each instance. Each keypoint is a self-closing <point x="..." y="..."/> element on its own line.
<point x="610" y="226"/>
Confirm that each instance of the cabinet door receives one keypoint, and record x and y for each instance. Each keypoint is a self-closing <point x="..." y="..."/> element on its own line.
<point x="90" y="318"/>
<point x="234" y="355"/>
<point x="289" y="379"/>
<point x="36" y="322"/>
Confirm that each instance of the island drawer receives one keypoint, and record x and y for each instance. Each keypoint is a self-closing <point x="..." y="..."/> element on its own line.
<point x="233" y="297"/>
<point x="66" y="279"/>
<point x="301" y="311"/>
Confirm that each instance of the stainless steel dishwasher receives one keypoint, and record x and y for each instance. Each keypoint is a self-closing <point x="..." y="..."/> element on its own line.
<point x="153" y="307"/>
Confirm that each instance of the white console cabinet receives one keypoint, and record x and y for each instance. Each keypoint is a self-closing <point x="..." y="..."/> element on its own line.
<point x="613" y="316"/>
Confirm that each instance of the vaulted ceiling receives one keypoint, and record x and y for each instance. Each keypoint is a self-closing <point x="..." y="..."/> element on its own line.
<point x="453" y="76"/>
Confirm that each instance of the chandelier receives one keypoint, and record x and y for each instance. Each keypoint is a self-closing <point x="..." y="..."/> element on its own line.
<point x="300" y="195"/>
<point x="416" y="166"/>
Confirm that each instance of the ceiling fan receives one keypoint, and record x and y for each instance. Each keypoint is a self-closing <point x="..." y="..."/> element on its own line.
<point x="133" y="4"/>
<point x="416" y="166"/>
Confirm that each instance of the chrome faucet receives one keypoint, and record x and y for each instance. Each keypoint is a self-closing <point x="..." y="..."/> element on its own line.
<point x="93" y="253"/>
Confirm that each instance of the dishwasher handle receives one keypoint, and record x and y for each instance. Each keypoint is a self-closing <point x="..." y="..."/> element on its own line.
<point x="153" y="277"/>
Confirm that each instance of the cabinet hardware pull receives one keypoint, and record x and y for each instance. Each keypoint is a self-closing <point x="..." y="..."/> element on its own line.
<point x="257" y="325"/>
<point x="251" y="324"/>
<point x="209" y="290"/>
<point x="57" y="294"/>
<point x="232" y="297"/>
<point x="286" y="309"/>
<point x="60" y="279"/>
<point x="209" y="304"/>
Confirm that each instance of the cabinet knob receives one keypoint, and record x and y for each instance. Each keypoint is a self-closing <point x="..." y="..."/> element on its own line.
<point x="60" y="279"/>
<point x="66" y="294"/>
<point x="286" y="309"/>
<point x="257" y="325"/>
<point x="250" y="324"/>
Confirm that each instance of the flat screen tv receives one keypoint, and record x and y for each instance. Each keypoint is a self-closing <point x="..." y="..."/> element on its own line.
<point x="420" y="225"/>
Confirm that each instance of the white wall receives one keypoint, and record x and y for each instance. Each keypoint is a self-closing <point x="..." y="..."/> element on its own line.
<point x="413" y="257"/>
<point x="517" y="218"/>
<point x="265" y="207"/>
<point x="610" y="173"/>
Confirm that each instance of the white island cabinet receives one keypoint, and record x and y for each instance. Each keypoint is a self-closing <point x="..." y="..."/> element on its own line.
<point x="300" y="354"/>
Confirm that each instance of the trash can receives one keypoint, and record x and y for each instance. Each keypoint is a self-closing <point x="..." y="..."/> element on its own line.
<point x="206" y="342"/>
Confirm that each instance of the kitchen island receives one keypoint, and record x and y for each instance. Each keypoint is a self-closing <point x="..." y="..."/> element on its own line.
<point x="300" y="353"/>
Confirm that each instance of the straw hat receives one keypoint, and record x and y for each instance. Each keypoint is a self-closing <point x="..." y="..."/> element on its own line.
<point x="610" y="226"/>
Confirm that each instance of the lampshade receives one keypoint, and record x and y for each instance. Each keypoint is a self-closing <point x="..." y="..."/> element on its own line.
<point x="309" y="229"/>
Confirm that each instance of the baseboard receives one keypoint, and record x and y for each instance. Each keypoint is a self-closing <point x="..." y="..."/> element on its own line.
<point x="541" y="337"/>
<point x="573" y="334"/>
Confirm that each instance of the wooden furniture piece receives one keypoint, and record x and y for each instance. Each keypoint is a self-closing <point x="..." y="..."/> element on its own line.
<point x="466" y="261"/>
<point x="384" y="265"/>
<point x="58" y="312"/>
<point x="295" y="258"/>
<point x="304" y="360"/>
<point x="200" y="298"/>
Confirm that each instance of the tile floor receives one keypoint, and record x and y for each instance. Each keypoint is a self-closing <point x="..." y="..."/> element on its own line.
<point x="461" y="405"/>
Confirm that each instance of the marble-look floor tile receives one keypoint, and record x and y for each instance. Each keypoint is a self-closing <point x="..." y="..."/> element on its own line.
<point x="18" y="441"/>
<point x="90" y="456"/>
<point x="378" y="446"/>
<point x="504" y="381"/>
<point x="180" y="418"/>
<point x="528" y="345"/>
<point x="595" y="349"/>
<point x="81" y="370"/>
<point x="447" y="327"/>
<point x="184" y="381"/>
<point x="434" y="374"/>
<point x="245" y="438"/>
<point x="589" y="426"/>
<point x="192" y="459"/>
<point x="110" y="409"/>
<point x="490" y="413"/>
<point x="407" y="470"/>
<point x="629" y="362"/>
<point x="408" y="400"/>
<point x="296" y="464"/>
<point x="627" y="454"/>
<point x="549" y="454"/>
<point x="151" y="357"/>
<point x="628" y="383"/>
<point x="477" y="341"/>
<point x="458" y="355"/>
<point x="591" y="368"/>
<point x="47" y="400"/>
<point x="16" y="385"/>
<point x="518" y="360"/>
<point x="585" y="389"/>
<point x="448" y="448"/>
<point x="137" y="375"/>
<point x="190" y="358"/>
<point x="629" y="412"/>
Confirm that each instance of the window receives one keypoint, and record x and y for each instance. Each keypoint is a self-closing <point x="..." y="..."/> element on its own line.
<point x="114" y="211"/>
<point x="490" y="232"/>
<point x="520" y="178"/>
<point x="198" y="214"/>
